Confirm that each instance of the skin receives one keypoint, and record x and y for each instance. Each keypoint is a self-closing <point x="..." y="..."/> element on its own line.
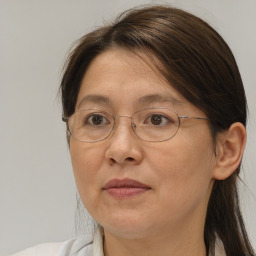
<point x="180" y="171"/>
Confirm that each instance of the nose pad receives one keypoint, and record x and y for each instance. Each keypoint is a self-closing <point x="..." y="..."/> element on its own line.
<point x="133" y="126"/>
<point x="123" y="144"/>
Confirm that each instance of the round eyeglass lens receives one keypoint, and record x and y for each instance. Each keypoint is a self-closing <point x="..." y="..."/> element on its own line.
<point x="90" y="125"/>
<point x="155" y="124"/>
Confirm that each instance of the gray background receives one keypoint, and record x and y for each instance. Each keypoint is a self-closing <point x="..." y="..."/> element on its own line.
<point x="37" y="190"/>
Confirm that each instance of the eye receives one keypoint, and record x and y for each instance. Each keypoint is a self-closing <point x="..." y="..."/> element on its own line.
<point x="158" y="120"/>
<point x="96" y="120"/>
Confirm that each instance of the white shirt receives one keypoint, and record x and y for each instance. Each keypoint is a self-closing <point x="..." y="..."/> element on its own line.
<point x="86" y="245"/>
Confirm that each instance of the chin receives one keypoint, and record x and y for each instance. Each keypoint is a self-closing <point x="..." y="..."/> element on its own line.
<point x="129" y="227"/>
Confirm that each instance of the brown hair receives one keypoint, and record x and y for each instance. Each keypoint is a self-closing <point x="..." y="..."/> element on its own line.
<point x="199" y="64"/>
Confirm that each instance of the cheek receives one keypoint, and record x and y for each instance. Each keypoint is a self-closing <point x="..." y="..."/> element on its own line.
<point x="86" y="162"/>
<point x="183" y="168"/>
<point x="185" y="187"/>
<point x="85" y="158"/>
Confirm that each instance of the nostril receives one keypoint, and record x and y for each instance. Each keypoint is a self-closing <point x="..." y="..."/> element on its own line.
<point x="130" y="159"/>
<point x="112" y="161"/>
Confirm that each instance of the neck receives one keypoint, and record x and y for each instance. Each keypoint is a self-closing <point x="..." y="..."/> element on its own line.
<point x="178" y="244"/>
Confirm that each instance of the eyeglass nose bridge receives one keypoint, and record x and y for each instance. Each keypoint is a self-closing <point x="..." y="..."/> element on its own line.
<point x="133" y="125"/>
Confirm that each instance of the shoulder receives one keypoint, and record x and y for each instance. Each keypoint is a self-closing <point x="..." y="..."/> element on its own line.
<point x="74" y="247"/>
<point x="49" y="249"/>
<point x="81" y="246"/>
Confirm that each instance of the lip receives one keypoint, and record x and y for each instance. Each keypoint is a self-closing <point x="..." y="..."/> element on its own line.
<point x="125" y="188"/>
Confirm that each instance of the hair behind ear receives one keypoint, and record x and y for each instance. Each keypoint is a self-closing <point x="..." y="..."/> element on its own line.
<point x="224" y="209"/>
<point x="224" y="206"/>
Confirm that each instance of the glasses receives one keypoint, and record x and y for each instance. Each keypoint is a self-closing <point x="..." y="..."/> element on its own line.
<point x="150" y="124"/>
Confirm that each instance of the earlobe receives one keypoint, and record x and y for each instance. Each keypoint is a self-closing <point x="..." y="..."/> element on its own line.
<point x="230" y="146"/>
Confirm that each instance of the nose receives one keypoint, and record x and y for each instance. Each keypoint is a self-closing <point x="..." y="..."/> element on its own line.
<point x="124" y="147"/>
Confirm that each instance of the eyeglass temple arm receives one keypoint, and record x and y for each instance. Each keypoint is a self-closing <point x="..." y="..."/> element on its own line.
<point x="188" y="117"/>
<point x="64" y="119"/>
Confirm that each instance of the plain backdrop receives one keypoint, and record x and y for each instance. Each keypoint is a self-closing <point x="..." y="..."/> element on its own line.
<point x="37" y="189"/>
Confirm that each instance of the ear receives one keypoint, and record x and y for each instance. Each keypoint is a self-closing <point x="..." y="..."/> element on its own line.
<point x="230" y="148"/>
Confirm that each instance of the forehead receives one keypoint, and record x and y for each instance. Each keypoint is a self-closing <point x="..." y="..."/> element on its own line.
<point x="118" y="75"/>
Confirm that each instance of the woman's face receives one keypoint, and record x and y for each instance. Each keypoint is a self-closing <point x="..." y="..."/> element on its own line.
<point x="176" y="174"/>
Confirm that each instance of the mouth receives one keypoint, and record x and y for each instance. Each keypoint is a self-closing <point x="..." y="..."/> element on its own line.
<point x="125" y="188"/>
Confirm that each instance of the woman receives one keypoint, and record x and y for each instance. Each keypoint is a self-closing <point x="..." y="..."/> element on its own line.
<point x="156" y="113"/>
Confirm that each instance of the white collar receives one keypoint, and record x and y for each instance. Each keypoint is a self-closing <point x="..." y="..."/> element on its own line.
<point x="97" y="247"/>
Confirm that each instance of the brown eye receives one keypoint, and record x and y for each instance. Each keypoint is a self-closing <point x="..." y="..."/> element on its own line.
<point x="156" y="119"/>
<point x="97" y="120"/>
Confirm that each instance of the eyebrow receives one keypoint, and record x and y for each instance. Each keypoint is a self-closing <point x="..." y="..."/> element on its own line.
<point x="146" y="99"/>
<point x="94" y="99"/>
<point x="151" y="98"/>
